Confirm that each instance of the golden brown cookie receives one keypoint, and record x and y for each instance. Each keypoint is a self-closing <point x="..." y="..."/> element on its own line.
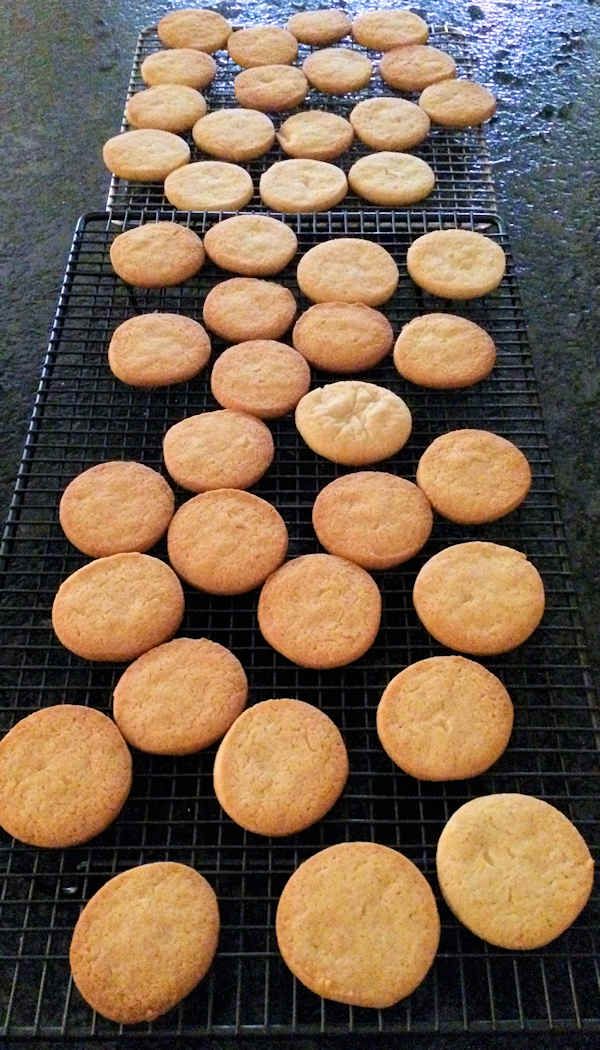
<point x="180" y="697"/>
<point x="391" y="179"/>
<point x="315" y="134"/>
<point x="235" y="134"/>
<point x="182" y="65"/>
<point x="348" y="270"/>
<point x="320" y="611"/>
<point x="389" y="123"/>
<point x="458" y="103"/>
<point x="479" y="598"/>
<point x="302" y="186"/>
<point x="280" y="768"/>
<point x="217" y="450"/>
<point x="157" y="254"/>
<point x="169" y="107"/>
<point x="245" y="308"/>
<point x="415" y="66"/>
<point x="252" y="245"/>
<point x="319" y="27"/>
<point x="343" y="337"/>
<point x="262" y="46"/>
<point x="209" y="185"/>
<point x="456" y="264"/>
<point x="145" y="155"/>
<point x="514" y="870"/>
<point x="157" y="349"/>
<point x="337" y="70"/>
<point x="445" y="718"/>
<point x="444" y="352"/>
<point x="144" y="941"/>
<point x="261" y="376"/>
<point x="271" y="88"/>
<point x="196" y="28"/>
<point x="65" y="773"/>
<point x="358" y="923"/>
<point x="353" y="422"/>
<point x="385" y="29"/>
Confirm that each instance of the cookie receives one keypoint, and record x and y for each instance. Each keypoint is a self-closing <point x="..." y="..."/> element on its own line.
<point x="157" y="254"/>
<point x="245" y="308"/>
<point x="169" y="107"/>
<point x="144" y="941"/>
<point x="456" y="264"/>
<point x="337" y="70"/>
<point x="226" y="541"/>
<point x="118" y="607"/>
<point x="115" y="507"/>
<point x="302" y="186"/>
<point x="319" y="27"/>
<point x="280" y="768"/>
<point x="157" y="349"/>
<point x="358" y="923"/>
<point x="444" y="352"/>
<point x="445" y="718"/>
<point x="315" y="134"/>
<point x="479" y="598"/>
<point x="271" y="88"/>
<point x="514" y="870"/>
<point x="458" y="103"/>
<point x="209" y="185"/>
<point x="343" y="337"/>
<point x="235" y="134"/>
<point x="389" y="123"/>
<point x="353" y="422"/>
<point x="180" y="697"/>
<point x="65" y="773"/>
<point x="473" y="476"/>
<point x="217" y="450"/>
<point x="348" y="270"/>
<point x="391" y="179"/>
<point x="262" y="46"/>
<point x="415" y="66"/>
<point x="182" y="65"/>
<point x="320" y="611"/>
<point x="145" y="155"/>
<point x="385" y="29"/>
<point x="261" y="377"/>
<point x="203" y="30"/>
<point x="252" y="245"/>
<point x="375" y="519"/>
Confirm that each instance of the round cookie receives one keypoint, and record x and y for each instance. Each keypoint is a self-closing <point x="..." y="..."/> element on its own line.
<point x="157" y="349"/>
<point x="319" y="27"/>
<point x="115" y="507"/>
<point x="415" y="66"/>
<point x="320" y="611"/>
<point x="252" y="245"/>
<point x="514" y="870"/>
<point x="145" y="155"/>
<point x="227" y="541"/>
<point x="262" y="46"/>
<point x="245" y="308"/>
<point x="458" y="103"/>
<point x="196" y="28"/>
<point x="180" y="697"/>
<point x="65" y="773"/>
<point x="235" y="134"/>
<point x="169" y="107"/>
<point x="343" y="337"/>
<point x="261" y="377"/>
<point x="348" y="270"/>
<point x="302" y="186"/>
<point x="389" y="123"/>
<point x="118" y="607"/>
<point x="216" y="450"/>
<point x="209" y="185"/>
<point x="271" y="88"/>
<point x="445" y="718"/>
<point x="444" y="352"/>
<point x="157" y="254"/>
<point x="315" y="134"/>
<point x="456" y="264"/>
<point x="280" y="768"/>
<point x="182" y="65"/>
<point x="123" y="963"/>
<point x="473" y="476"/>
<point x="375" y="519"/>
<point x="337" y="70"/>
<point x="358" y="923"/>
<point x="385" y="29"/>
<point x="353" y="422"/>
<point x="479" y="598"/>
<point x="391" y="179"/>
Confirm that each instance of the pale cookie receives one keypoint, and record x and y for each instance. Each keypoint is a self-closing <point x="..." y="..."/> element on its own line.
<point x="514" y="870"/>
<point x="157" y="349"/>
<point x="348" y="270"/>
<point x="217" y="450"/>
<point x="280" y="768"/>
<point x="391" y="179"/>
<point x="245" y="308"/>
<point x="415" y="66"/>
<point x="145" y="155"/>
<point x="180" y="697"/>
<point x="374" y="519"/>
<point x="473" y="476"/>
<point x="389" y="123"/>
<point x="385" y="29"/>
<point x="444" y="352"/>
<point x="445" y="718"/>
<point x="302" y="186"/>
<point x="118" y="607"/>
<point x="115" y="507"/>
<point x="343" y="337"/>
<point x="227" y="541"/>
<point x="262" y="46"/>
<point x="182" y="65"/>
<point x="479" y="598"/>
<point x="320" y="611"/>
<point x="458" y="103"/>
<point x="209" y="185"/>
<point x="196" y="28"/>
<point x="337" y="70"/>
<point x="65" y="773"/>
<point x="144" y="941"/>
<point x="261" y="377"/>
<point x="456" y="264"/>
<point x="353" y="422"/>
<point x="319" y="27"/>
<point x="252" y="245"/>
<point x="170" y="107"/>
<point x="271" y="88"/>
<point x="235" y="134"/>
<point x="358" y="923"/>
<point x="157" y="254"/>
<point x="315" y="134"/>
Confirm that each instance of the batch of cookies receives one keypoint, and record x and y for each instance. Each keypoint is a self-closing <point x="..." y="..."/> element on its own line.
<point x="357" y="922"/>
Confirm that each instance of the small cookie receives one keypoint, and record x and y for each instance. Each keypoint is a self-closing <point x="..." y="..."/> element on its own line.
<point x="180" y="697"/>
<point x="118" y="607"/>
<point x="302" y="186"/>
<point x="385" y="29"/>
<point x="261" y="377"/>
<point x="391" y="179"/>
<point x="473" y="476"/>
<point x="319" y="27"/>
<point x="280" y="768"/>
<point x="348" y="270"/>
<point x="157" y="349"/>
<point x="144" y="941"/>
<point x="514" y="870"/>
<point x="389" y="123"/>
<point x="315" y="134"/>
<point x="271" y="88"/>
<point x="415" y="66"/>
<point x="235" y="134"/>
<point x="458" y="103"/>
<point x="227" y="541"/>
<point x="479" y="598"/>
<point x="320" y="611"/>
<point x="343" y="337"/>
<point x="353" y="422"/>
<point x="375" y="519"/>
<point x="445" y="718"/>
<point x="209" y="185"/>
<point x="252" y="245"/>
<point x="245" y="308"/>
<point x="262" y="46"/>
<point x="182" y="65"/>
<point x="444" y="352"/>
<point x="199" y="29"/>
<point x="358" y="923"/>
<point x="115" y="507"/>
<point x="337" y="70"/>
<point x="157" y="254"/>
<point x="145" y="155"/>
<point x="217" y="450"/>
<point x="65" y="773"/>
<point x="169" y="107"/>
<point x="456" y="264"/>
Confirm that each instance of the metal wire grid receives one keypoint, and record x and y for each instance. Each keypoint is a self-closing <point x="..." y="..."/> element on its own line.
<point x="83" y="416"/>
<point x="460" y="159"/>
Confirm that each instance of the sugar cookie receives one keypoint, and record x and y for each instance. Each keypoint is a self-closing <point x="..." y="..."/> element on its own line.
<point x="353" y="422"/>
<point x="415" y="66"/>
<point x="319" y="27"/>
<point x="385" y="29"/>
<point x="252" y="245"/>
<point x="271" y="88"/>
<point x="315" y="134"/>
<point x="182" y="65"/>
<point x="444" y="352"/>
<point x="458" y="103"/>
<point x="343" y="337"/>
<point x="391" y="179"/>
<point x="337" y="70"/>
<point x="261" y="376"/>
<point x="217" y="450"/>
<point x="389" y="123"/>
<point x="234" y="134"/>
<point x="302" y="186"/>
<point x="348" y="270"/>
<point x="157" y="349"/>
<point x="145" y="155"/>
<point x="203" y="30"/>
<point x="170" y="107"/>
<point x="157" y="254"/>
<point x="245" y="308"/>
<point x="456" y="264"/>
<point x="262" y="46"/>
<point x="209" y="185"/>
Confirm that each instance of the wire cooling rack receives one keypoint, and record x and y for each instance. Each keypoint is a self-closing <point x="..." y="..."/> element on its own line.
<point x="83" y="416"/>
